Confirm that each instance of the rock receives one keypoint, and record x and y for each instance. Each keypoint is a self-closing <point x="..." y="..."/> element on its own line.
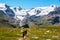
<point x="55" y="36"/>
<point x="48" y="39"/>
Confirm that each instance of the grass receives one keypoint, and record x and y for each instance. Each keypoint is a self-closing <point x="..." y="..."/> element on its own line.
<point x="34" y="33"/>
<point x="9" y="34"/>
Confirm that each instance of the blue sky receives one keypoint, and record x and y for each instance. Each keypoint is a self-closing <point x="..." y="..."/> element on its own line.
<point x="30" y="3"/>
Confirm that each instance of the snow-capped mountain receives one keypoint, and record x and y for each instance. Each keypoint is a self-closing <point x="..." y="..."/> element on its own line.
<point x="20" y="16"/>
<point x="40" y="11"/>
<point x="14" y="15"/>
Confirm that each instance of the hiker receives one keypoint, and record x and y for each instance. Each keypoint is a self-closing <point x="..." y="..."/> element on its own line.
<point x="25" y="29"/>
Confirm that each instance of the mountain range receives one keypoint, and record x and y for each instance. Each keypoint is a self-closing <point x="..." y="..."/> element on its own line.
<point x="49" y="15"/>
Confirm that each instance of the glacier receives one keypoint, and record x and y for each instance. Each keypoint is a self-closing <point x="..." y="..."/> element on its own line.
<point x="20" y="16"/>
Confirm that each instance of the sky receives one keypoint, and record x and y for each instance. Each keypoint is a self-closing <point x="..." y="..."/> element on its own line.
<point x="27" y="4"/>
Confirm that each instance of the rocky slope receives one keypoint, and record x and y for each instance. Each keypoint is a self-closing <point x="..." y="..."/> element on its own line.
<point x="18" y="16"/>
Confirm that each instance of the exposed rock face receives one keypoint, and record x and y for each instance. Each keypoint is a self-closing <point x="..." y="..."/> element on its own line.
<point x="39" y="16"/>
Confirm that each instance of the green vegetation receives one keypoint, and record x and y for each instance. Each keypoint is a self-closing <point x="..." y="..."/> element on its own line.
<point x="34" y="33"/>
<point x="46" y="32"/>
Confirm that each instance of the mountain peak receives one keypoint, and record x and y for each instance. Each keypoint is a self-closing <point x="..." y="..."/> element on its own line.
<point x="53" y="6"/>
<point x="22" y="16"/>
<point x="3" y="6"/>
